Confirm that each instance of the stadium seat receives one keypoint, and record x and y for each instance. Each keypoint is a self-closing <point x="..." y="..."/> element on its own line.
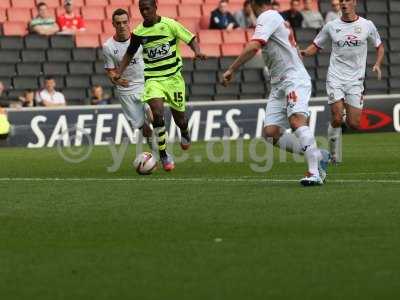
<point x="210" y="64"/>
<point x="237" y="36"/>
<point x="74" y="95"/>
<point x="231" y="49"/>
<point x="323" y="59"/>
<point x="252" y="76"/>
<point x="192" y="24"/>
<point x="99" y="67"/>
<point x="10" y="56"/>
<point x="188" y="64"/>
<point x="33" y="56"/>
<point x="394" y="6"/>
<point x="189" y="11"/>
<point x="55" y="68"/>
<point x="207" y="9"/>
<point x="379" y="19"/>
<point x="6" y="81"/>
<point x="305" y="34"/>
<point x="96" y="2"/>
<point x="7" y="69"/>
<point x="322" y="72"/>
<point x="134" y="12"/>
<point x="77" y="81"/>
<point x="91" y="40"/>
<point x="92" y="27"/>
<point x="312" y="73"/>
<point x="225" y="62"/>
<point x="101" y="80"/>
<point x="62" y="41"/>
<point x="29" y="69"/>
<point x="394" y="32"/>
<point x="309" y="61"/>
<point x="14" y="94"/>
<point x="80" y="68"/>
<point x="205" y="77"/>
<point x="34" y="41"/>
<point x="19" y="15"/>
<point x="185" y="51"/>
<point x="99" y="53"/>
<point x="395" y="72"/>
<point x="169" y="11"/>
<point x="257" y="62"/>
<point x="394" y="58"/>
<point x="232" y="90"/>
<point x="207" y="90"/>
<point x="394" y="19"/>
<point x="253" y="88"/>
<point x="58" y="55"/>
<point x="84" y="54"/>
<point x="11" y="42"/>
<point x="187" y="76"/>
<point x="23" y="3"/>
<point x="51" y="12"/>
<point x="5" y="4"/>
<point x="235" y="79"/>
<point x="377" y="6"/>
<point x="204" y="22"/>
<point x="93" y="13"/>
<point x="210" y="37"/>
<point x="25" y="82"/>
<point x="251" y="96"/>
<point x="372" y="75"/>
<point x="121" y="3"/>
<point x="50" y="3"/>
<point x="3" y="15"/>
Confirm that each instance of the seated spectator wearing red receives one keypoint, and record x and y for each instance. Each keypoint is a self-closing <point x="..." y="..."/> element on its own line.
<point x="311" y="19"/>
<point x="221" y="18"/>
<point x="49" y="97"/>
<point x="293" y="15"/>
<point x="69" y="22"/>
<point x="245" y="17"/>
<point x="98" y="97"/>
<point x="43" y="23"/>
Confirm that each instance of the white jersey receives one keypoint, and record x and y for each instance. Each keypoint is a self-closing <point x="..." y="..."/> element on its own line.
<point x="114" y="52"/>
<point x="349" y="47"/>
<point x="279" y="47"/>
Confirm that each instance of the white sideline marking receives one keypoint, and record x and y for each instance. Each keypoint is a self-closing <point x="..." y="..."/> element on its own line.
<point x="210" y="180"/>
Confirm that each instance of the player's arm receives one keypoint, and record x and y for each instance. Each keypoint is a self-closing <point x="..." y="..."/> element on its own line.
<point x="194" y="45"/>
<point x="310" y="50"/>
<point x="380" y="54"/>
<point x="248" y="53"/>
<point x="320" y="40"/>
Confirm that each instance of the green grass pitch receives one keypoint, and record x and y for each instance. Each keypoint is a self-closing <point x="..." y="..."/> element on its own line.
<point x="206" y="231"/>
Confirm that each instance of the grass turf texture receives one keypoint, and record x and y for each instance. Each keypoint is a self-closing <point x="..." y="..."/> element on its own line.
<point x="201" y="237"/>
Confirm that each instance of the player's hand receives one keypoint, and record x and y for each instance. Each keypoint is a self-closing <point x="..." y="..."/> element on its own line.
<point x="303" y="53"/>
<point x="377" y="69"/>
<point x="200" y="56"/>
<point x="117" y="80"/>
<point x="227" y="77"/>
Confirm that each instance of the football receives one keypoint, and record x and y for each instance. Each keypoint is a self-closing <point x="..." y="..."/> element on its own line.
<point x="145" y="163"/>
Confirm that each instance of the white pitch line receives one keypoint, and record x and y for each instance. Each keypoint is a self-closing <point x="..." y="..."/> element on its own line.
<point x="209" y="180"/>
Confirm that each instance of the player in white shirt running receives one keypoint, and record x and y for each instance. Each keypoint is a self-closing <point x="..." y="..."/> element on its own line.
<point x="291" y="89"/>
<point x="130" y="85"/>
<point x="349" y="35"/>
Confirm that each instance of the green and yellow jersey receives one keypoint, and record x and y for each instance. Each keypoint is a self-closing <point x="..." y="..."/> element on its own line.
<point x="160" y="44"/>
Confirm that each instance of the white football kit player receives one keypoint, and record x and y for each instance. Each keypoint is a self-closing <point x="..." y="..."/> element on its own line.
<point x="345" y="79"/>
<point x="290" y="82"/>
<point x="129" y="97"/>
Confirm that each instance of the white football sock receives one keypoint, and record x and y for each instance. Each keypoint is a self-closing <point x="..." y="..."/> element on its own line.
<point x="309" y="147"/>
<point x="289" y="142"/>
<point x="335" y="142"/>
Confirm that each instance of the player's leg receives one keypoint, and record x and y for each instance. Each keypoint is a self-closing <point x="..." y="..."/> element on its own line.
<point x="335" y="101"/>
<point x="181" y="121"/>
<point x="354" y="103"/>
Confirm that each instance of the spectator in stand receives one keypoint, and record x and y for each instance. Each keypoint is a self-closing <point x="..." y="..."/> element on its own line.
<point x="48" y="96"/>
<point x="69" y="22"/>
<point x="27" y="99"/>
<point x="245" y="17"/>
<point x="293" y="15"/>
<point x="335" y="12"/>
<point x="43" y="23"/>
<point x="275" y="5"/>
<point x="311" y="19"/>
<point x="98" y="96"/>
<point x="221" y="18"/>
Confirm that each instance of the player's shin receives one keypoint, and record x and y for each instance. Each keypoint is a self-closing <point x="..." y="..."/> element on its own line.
<point x="335" y="143"/>
<point x="290" y="143"/>
<point x="160" y="135"/>
<point x="309" y="147"/>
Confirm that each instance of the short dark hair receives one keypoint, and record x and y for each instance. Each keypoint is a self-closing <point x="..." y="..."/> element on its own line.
<point x="49" y="77"/>
<point x="119" y="12"/>
<point x="261" y="2"/>
<point x="247" y="2"/>
<point x="152" y="2"/>
<point x="40" y="4"/>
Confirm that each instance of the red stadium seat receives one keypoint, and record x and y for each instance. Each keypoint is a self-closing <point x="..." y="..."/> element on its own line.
<point x="213" y="2"/>
<point x="192" y="24"/>
<point x="104" y="37"/>
<point x="93" y="27"/>
<point x="50" y="3"/>
<point x="234" y="36"/>
<point x="3" y="16"/>
<point x="88" y="41"/>
<point x="204" y="22"/>
<point x="15" y="28"/>
<point x="96" y="2"/>
<point x="207" y="9"/>
<point x="19" y="14"/>
<point x="93" y="13"/>
<point x="167" y="11"/>
<point x="189" y="11"/>
<point x="110" y="10"/>
<point x="121" y="2"/>
<point x="5" y="4"/>
<point x="77" y="3"/>
<point x="108" y="27"/>
<point x="185" y="51"/>
<point x="211" y="50"/>
<point x="175" y="2"/>
<point x="23" y="3"/>
<point x="231" y="49"/>
<point x="134" y="12"/>
<point x="210" y="37"/>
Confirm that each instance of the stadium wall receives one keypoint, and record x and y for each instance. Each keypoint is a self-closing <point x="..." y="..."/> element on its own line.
<point x="100" y="125"/>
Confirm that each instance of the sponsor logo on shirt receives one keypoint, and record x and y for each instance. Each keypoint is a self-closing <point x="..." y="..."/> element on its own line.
<point x="158" y="52"/>
<point x="350" y="41"/>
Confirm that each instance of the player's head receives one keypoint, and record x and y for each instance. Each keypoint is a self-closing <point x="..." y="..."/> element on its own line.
<point x="120" y="21"/>
<point x="148" y="10"/>
<point x="259" y="6"/>
<point x="42" y="10"/>
<point x="348" y="7"/>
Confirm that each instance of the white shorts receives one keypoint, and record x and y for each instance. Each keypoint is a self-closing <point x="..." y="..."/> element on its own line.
<point x="287" y="98"/>
<point x="351" y="93"/>
<point x="133" y="109"/>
